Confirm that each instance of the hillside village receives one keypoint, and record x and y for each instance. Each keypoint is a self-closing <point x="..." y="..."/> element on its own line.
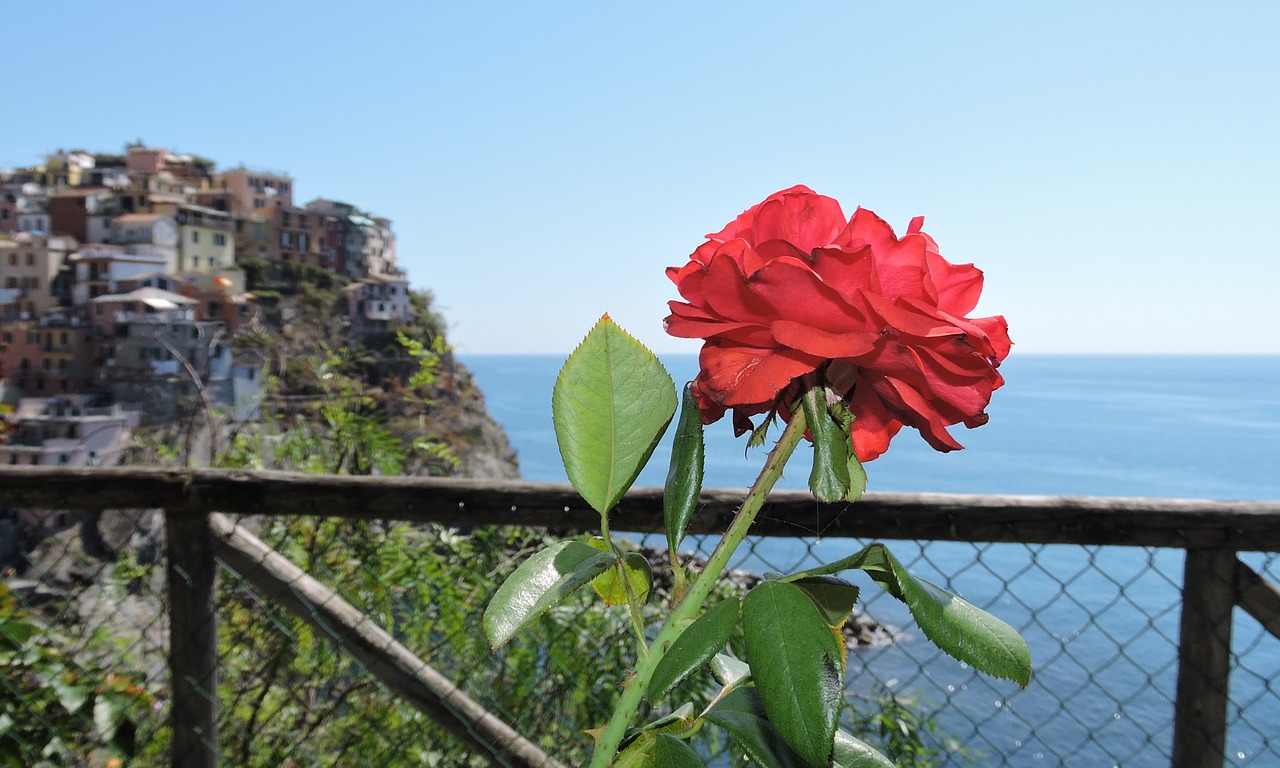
<point x="124" y="280"/>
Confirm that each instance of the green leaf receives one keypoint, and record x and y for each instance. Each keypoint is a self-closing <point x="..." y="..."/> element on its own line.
<point x="833" y="596"/>
<point x="741" y="713"/>
<point x="640" y="753"/>
<point x="107" y="714"/>
<point x="829" y="479"/>
<point x="684" y="478"/>
<point x="852" y="753"/>
<point x="796" y="663"/>
<point x="728" y="671"/>
<point x="611" y="404"/>
<point x="540" y="582"/>
<point x="695" y="646"/>
<point x="17" y="631"/>
<point x="963" y="630"/>
<point x="71" y="697"/>
<point x="613" y="590"/>
<point x="674" y="753"/>
<point x="680" y="721"/>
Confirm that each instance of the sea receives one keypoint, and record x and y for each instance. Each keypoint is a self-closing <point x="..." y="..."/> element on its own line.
<point x="1102" y="622"/>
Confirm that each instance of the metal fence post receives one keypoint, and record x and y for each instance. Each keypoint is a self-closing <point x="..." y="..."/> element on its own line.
<point x="1204" y="659"/>
<point x="193" y="640"/>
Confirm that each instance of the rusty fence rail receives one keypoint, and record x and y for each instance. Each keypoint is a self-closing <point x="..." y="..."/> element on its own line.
<point x="1187" y="677"/>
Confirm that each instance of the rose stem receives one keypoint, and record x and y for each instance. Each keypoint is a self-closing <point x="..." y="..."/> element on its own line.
<point x="681" y="616"/>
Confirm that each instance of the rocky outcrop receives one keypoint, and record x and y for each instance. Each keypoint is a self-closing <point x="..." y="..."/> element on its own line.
<point x="455" y="414"/>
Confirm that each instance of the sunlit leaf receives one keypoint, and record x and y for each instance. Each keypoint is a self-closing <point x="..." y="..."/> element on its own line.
<point x="610" y="406"/>
<point x="729" y="671"/>
<point x="540" y="582"/>
<point x="71" y="697"/>
<point x="853" y="753"/>
<point x="963" y="630"/>
<point x="796" y="664"/>
<point x="613" y="590"/>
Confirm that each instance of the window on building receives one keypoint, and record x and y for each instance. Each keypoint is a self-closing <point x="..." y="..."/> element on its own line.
<point x="195" y="236"/>
<point x="259" y="203"/>
<point x="13" y="458"/>
<point x="62" y="337"/>
<point x="31" y="259"/>
<point x="219" y="239"/>
<point x="13" y="259"/>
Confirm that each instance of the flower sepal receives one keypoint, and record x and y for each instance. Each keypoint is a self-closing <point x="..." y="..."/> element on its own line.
<point x="837" y="474"/>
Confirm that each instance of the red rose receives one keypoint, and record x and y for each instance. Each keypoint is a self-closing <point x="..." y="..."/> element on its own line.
<point x="790" y="289"/>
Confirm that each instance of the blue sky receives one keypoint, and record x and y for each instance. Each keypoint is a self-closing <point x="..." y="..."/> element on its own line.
<point x="1112" y="167"/>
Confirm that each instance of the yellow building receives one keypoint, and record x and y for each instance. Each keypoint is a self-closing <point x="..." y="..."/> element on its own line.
<point x="206" y="237"/>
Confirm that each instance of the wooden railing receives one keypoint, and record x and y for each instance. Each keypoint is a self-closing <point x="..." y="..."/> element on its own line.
<point x="1211" y="532"/>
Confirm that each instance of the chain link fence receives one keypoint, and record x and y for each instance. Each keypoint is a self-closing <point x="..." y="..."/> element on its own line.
<point x="84" y="648"/>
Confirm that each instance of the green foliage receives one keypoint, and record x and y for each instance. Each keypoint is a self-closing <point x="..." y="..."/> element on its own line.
<point x="54" y="708"/>
<point x="423" y="304"/>
<point x="344" y="430"/>
<point x="426" y="585"/>
<point x="426" y="356"/>
<point x="256" y="271"/>
<point x="898" y="725"/>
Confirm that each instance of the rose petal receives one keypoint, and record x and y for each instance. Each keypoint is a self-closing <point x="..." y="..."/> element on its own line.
<point x="741" y="376"/>
<point x="816" y="341"/>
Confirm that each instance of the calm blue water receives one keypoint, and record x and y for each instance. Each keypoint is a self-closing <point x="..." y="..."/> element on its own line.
<point x="1104" y="646"/>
